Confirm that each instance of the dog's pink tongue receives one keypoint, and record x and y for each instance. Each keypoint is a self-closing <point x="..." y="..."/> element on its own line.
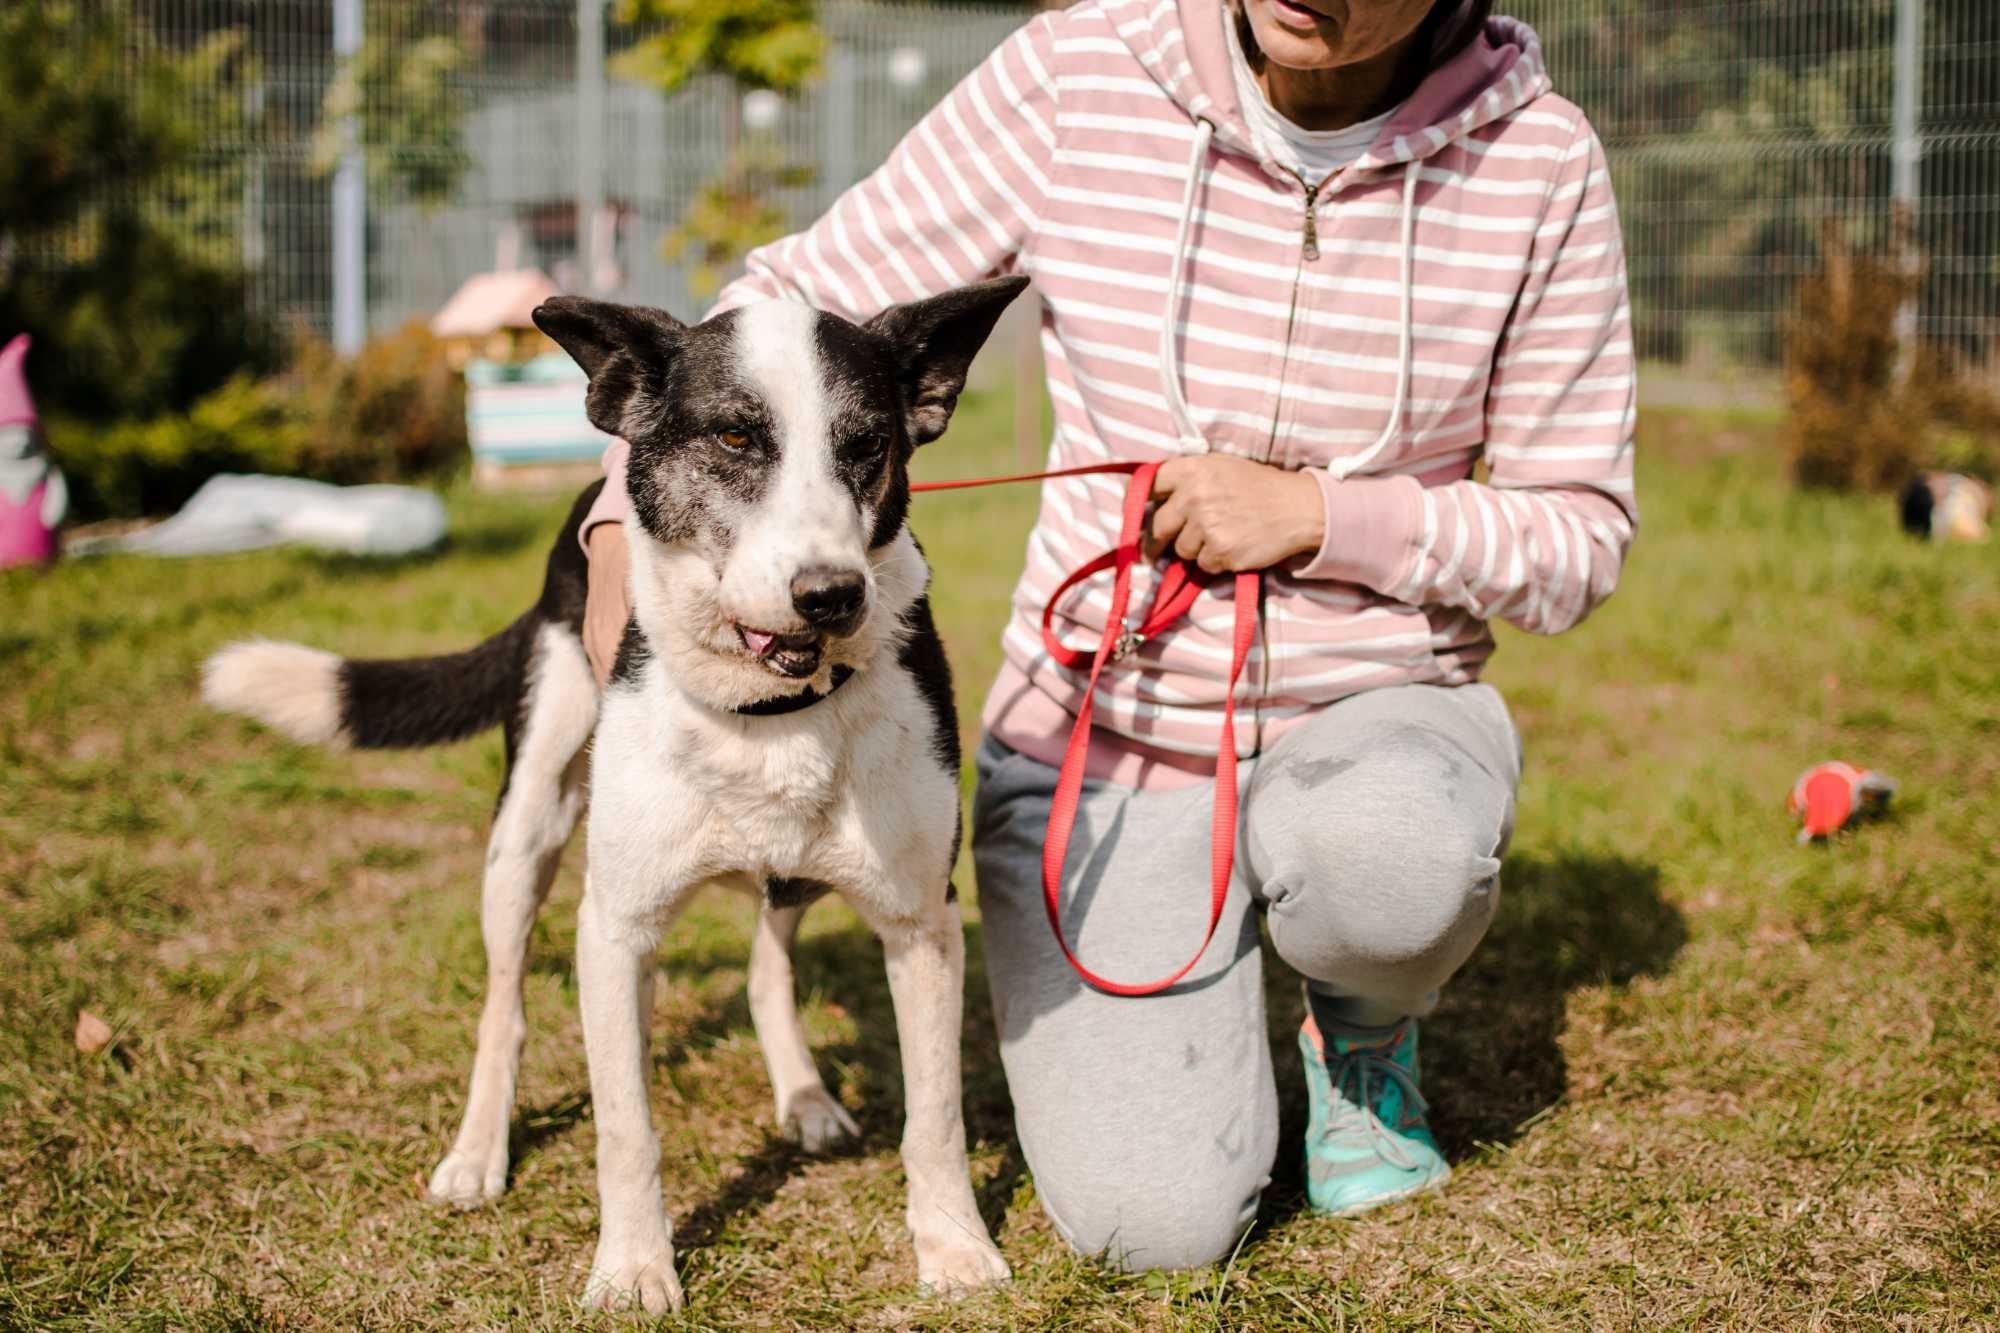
<point x="760" y="642"/>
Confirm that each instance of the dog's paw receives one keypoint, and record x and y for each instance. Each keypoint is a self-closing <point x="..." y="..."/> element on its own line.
<point x="817" y="1122"/>
<point x="468" y="1178"/>
<point x="645" y="1281"/>
<point x="958" y="1266"/>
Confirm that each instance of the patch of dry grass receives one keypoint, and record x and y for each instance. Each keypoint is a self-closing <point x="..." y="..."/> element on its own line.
<point x="1697" y="1077"/>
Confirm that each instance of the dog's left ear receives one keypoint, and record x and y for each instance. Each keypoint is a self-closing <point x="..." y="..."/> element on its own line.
<point x="623" y="348"/>
<point x="935" y="341"/>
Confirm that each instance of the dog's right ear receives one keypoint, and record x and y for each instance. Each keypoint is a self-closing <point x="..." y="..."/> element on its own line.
<point x="623" y="348"/>
<point x="935" y="340"/>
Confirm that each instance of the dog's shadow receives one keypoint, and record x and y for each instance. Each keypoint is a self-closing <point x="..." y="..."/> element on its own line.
<point x="535" y="1125"/>
<point x="1493" y="1062"/>
<point x="846" y="965"/>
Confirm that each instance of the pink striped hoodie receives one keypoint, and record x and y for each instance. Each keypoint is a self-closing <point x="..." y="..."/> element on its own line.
<point x="1454" y="297"/>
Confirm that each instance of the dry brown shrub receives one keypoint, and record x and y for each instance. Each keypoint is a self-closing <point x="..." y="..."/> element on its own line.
<point x="392" y="412"/>
<point x="1857" y="418"/>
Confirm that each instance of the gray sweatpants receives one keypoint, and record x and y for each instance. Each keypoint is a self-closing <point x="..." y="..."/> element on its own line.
<point x="1371" y="834"/>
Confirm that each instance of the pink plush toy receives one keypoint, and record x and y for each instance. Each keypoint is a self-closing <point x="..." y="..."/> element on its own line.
<point x="33" y="497"/>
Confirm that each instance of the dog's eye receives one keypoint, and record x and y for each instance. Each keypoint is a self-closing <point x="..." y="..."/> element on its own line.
<point x="735" y="439"/>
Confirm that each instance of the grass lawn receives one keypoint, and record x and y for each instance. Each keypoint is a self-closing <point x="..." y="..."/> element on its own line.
<point x="1697" y="1076"/>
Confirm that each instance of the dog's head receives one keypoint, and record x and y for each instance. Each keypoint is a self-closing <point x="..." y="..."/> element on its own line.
<point x="770" y="471"/>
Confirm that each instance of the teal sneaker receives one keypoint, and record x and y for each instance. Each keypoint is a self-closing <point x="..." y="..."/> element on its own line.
<point x="1367" y="1142"/>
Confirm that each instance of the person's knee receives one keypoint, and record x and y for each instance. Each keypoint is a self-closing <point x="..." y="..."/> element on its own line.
<point x="1388" y="888"/>
<point x="1164" y="1190"/>
<point x="1409" y="913"/>
<point x="1140" y="1225"/>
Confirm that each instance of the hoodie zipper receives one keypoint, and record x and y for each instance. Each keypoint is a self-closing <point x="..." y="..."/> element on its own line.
<point x="1308" y="252"/>
<point x="1311" y="246"/>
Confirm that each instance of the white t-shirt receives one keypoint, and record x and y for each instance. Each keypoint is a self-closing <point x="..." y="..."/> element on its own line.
<point x="1314" y="154"/>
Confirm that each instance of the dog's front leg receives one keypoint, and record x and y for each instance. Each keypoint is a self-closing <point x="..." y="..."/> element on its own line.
<point x="544" y="794"/>
<point x="807" y="1113"/>
<point x="926" y="961"/>
<point x="635" y="1247"/>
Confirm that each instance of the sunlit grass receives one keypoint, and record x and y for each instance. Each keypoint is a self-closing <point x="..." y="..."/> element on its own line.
<point x="1697" y="1076"/>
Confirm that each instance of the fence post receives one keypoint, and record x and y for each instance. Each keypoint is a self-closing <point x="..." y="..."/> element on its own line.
<point x="1908" y="161"/>
<point x="350" y="202"/>
<point x="589" y="139"/>
<point x="839" y="126"/>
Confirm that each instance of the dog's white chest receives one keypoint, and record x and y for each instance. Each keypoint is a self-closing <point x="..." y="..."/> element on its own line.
<point x="836" y="793"/>
<point x="769" y="800"/>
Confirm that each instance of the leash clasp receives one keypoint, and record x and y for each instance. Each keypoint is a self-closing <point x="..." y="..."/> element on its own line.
<point x="1129" y="642"/>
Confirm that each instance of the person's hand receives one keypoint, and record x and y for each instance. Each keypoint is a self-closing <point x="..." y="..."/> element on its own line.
<point x="1229" y="514"/>
<point x="606" y="604"/>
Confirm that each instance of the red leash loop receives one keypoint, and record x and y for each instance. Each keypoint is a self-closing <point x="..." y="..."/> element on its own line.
<point x="1179" y="587"/>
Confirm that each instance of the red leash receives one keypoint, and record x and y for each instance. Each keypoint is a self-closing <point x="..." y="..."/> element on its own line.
<point x="1179" y="587"/>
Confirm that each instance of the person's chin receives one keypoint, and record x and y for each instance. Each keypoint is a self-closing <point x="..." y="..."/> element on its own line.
<point x="1292" y="35"/>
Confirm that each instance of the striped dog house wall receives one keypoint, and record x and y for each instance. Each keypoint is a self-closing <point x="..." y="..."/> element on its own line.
<point x="527" y="419"/>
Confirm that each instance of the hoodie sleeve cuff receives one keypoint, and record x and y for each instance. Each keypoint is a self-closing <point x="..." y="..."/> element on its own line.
<point x="613" y="503"/>
<point x="1372" y="529"/>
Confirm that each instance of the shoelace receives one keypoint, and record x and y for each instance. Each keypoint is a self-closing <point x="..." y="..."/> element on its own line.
<point x="1357" y="1118"/>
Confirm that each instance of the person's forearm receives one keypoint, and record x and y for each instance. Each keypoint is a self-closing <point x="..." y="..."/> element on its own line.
<point x="607" y="603"/>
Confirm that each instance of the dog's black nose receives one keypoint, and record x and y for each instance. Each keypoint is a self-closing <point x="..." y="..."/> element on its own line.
<point x="829" y="599"/>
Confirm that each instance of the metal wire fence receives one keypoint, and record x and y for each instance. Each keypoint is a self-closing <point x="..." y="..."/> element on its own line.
<point x="464" y="117"/>
<point x="1738" y="131"/>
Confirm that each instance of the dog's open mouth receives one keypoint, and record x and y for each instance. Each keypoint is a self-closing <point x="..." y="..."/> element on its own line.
<point x="794" y="655"/>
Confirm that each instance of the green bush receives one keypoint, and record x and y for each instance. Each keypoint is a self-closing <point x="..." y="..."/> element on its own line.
<point x="144" y="327"/>
<point x="151" y="466"/>
<point x="396" y="412"/>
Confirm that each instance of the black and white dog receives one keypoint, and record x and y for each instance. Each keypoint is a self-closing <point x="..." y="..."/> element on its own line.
<point x="780" y="721"/>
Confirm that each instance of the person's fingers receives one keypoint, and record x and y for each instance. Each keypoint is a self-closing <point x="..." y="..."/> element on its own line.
<point x="1171" y="475"/>
<point x="1188" y="544"/>
<point x="1168" y="520"/>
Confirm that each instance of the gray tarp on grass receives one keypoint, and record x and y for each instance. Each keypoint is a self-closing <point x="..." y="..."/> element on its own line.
<point x="247" y="513"/>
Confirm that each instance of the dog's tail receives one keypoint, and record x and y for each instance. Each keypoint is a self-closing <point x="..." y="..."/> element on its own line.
<point x="323" y="699"/>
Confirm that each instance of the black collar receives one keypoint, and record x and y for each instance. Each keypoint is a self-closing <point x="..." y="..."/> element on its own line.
<point x="792" y="703"/>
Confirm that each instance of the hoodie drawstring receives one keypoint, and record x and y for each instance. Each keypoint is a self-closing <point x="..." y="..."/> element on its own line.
<point x="1170" y="379"/>
<point x="1343" y="468"/>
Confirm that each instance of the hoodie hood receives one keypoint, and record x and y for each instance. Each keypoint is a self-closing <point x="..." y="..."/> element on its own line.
<point x="1184" y="45"/>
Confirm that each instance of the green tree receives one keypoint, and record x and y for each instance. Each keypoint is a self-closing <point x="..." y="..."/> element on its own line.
<point x="774" y="44"/>
<point x="732" y="213"/>
<point x="760" y="44"/>
<point x="402" y="92"/>
<point x="109" y="248"/>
